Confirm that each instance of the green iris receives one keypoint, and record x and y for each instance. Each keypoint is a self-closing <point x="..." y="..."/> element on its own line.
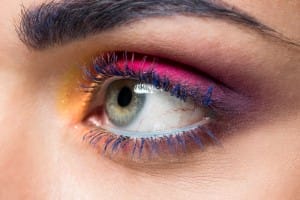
<point x="122" y="104"/>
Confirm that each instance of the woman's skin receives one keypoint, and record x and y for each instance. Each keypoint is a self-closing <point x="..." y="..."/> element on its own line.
<point x="43" y="157"/>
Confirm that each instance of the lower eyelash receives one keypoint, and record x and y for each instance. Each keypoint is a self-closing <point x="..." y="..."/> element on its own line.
<point x="174" y="144"/>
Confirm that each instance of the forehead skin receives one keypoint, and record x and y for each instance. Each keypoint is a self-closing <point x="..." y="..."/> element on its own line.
<point x="280" y="15"/>
<point x="30" y="172"/>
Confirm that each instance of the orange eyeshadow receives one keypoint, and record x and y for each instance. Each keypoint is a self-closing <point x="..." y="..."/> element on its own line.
<point x="71" y="100"/>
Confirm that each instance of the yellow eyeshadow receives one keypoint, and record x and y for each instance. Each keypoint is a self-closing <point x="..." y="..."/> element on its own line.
<point x="71" y="100"/>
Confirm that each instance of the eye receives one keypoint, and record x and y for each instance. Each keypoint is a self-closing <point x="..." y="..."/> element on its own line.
<point x="139" y="110"/>
<point x="143" y="108"/>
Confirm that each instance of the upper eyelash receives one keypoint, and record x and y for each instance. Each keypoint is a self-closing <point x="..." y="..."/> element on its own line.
<point x="106" y="68"/>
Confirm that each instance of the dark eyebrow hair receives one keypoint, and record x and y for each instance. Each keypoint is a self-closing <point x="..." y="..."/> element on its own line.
<point x="56" y="23"/>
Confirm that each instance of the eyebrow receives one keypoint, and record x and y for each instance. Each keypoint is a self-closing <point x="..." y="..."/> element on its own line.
<point x="57" y="23"/>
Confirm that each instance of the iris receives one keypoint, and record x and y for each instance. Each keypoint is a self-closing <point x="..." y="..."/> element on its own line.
<point x="122" y="104"/>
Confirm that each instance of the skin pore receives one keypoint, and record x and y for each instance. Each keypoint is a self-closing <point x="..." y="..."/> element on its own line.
<point x="43" y="157"/>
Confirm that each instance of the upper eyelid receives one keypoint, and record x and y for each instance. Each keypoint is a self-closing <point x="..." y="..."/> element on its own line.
<point x="223" y="96"/>
<point x="44" y="26"/>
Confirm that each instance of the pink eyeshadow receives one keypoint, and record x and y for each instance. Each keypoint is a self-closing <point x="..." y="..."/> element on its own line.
<point x="176" y="74"/>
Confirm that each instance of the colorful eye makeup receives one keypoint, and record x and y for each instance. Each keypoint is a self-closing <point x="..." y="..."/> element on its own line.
<point x="142" y="107"/>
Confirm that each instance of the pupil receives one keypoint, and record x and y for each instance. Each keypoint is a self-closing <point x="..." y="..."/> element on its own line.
<point x="124" y="97"/>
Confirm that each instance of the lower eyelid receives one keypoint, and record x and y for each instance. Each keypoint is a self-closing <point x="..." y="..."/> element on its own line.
<point x="162" y="133"/>
<point x="120" y="148"/>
